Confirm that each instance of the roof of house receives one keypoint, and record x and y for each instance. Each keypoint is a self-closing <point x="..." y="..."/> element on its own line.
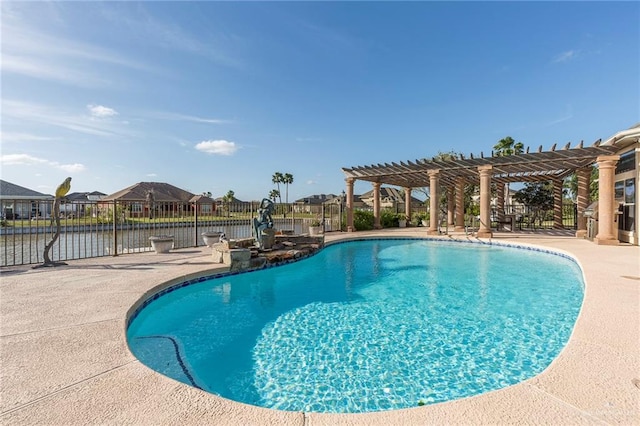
<point x="202" y="199"/>
<point x="11" y="190"/>
<point x="162" y="192"/>
<point x="625" y="138"/>
<point x="84" y="196"/>
<point x="316" y="199"/>
<point x="234" y="200"/>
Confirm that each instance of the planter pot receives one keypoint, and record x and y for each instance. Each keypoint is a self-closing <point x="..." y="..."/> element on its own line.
<point x="162" y="243"/>
<point x="211" y="238"/>
<point x="402" y="223"/>
<point x="425" y="222"/>
<point x="315" y="230"/>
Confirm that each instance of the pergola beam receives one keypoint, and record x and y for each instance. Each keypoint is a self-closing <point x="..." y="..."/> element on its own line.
<point x="527" y="167"/>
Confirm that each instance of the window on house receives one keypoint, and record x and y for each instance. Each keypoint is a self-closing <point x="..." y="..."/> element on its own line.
<point x="626" y="162"/>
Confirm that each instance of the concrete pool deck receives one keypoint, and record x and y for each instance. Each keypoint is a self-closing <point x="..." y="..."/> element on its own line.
<point x="64" y="357"/>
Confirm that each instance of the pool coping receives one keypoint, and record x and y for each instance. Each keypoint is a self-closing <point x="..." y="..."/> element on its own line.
<point x="67" y="361"/>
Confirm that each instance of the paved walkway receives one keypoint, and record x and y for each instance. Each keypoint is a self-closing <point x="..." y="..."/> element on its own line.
<point x="64" y="357"/>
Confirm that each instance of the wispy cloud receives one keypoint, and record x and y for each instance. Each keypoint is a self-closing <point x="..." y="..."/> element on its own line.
<point x="567" y="56"/>
<point x="42" y="114"/>
<point x="151" y="30"/>
<point x="43" y="69"/>
<point x="151" y="175"/>
<point x="70" y="168"/>
<point x="100" y="111"/>
<point x="183" y="117"/>
<point x="29" y="160"/>
<point x="308" y="140"/>
<point x="329" y="37"/>
<point x="217" y="147"/>
<point x="35" y="51"/>
<point x="568" y="115"/>
<point x="23" y="137"/>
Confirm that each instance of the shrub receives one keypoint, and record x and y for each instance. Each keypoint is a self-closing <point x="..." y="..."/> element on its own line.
<point x="388" y="219"/>
<point x="418" y="218"/>
<point x="363" y="220"/>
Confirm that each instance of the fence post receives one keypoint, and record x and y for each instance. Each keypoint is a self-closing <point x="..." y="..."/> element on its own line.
<point x="114" y="220"/>
<point x="195" y="224"/>
<point x="293" y="218"/>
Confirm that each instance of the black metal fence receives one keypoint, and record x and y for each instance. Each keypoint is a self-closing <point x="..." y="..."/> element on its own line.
<point x="525" y="217"/>
<point x="94" y="229"/>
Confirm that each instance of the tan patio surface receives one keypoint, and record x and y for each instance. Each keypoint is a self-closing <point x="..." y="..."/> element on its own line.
<point x="65" y="360"/>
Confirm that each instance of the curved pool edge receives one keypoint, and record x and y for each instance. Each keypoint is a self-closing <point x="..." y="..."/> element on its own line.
<point x="220" y="271"/>
<point x="179" y="282"/>
<point x="69" y="362"/>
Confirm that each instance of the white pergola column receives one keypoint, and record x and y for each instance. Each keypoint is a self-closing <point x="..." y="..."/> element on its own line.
<point x="584" y="177"/>
<point x="376" y="205"/>
<point x="607" y="233"/>
<point x="485" y="202"/>
<point x="350" y="182"/>
<point x="459" y="225"/>
<point x="407" y="204"/>
<point x="434" y="179"/>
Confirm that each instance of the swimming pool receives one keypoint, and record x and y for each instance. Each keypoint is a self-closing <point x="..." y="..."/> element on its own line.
<point x="366" y="326"/>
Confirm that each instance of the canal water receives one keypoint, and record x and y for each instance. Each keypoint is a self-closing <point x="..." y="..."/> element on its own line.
<point x="21" y="249"/>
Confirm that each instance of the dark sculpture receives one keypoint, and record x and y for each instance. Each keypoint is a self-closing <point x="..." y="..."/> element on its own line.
<point x="263" y="221"/>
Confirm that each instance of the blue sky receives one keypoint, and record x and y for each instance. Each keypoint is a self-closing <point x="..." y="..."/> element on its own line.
<point x="217" y="96"/>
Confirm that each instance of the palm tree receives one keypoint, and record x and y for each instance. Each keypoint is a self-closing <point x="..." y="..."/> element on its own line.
<point x="287" y="179"/>
<point x="227" y="199"/>
<point x="508" y="146"/>
<point x="277" y="179"/>
<point x="274" y="194"/>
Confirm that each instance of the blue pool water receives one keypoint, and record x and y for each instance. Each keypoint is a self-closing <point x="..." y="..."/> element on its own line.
<point x="366" y="326"/>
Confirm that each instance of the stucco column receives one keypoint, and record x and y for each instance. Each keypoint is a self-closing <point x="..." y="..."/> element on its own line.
<point x="584" y="177"/>
<point x="459" y="204"/>
<point x="451" y="203"/>
<point x="557" y="204"/>
<point x="407" y="204"/>
<point x="376" y="205"/>
<point x="606" y="225"/>
<point x="434" y="179"/>
<point x="500" y="202"/>
<point x="349" y="195"/>
<point x="485" y="202"/>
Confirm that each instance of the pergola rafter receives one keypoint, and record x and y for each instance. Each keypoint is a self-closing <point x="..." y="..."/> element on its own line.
<point x="451" y="174"/>
<point x="525" y="167"/>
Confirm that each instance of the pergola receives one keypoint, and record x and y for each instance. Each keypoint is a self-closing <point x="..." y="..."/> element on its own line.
<point x="454" y="173"/>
